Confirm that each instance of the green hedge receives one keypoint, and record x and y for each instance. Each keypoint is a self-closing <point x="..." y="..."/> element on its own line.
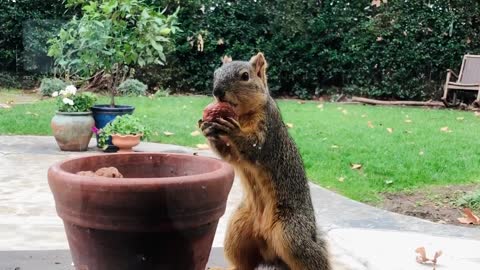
<point x="25" y="26"/>
<point x="399" y="50"/>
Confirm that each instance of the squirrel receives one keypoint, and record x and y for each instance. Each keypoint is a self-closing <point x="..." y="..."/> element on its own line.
<point x="275" y="222"/>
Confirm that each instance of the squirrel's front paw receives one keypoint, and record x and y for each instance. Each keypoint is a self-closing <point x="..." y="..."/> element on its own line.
<point x="227" y="127"/>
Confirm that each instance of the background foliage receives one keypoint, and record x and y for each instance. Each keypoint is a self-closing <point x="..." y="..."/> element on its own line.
<point x="398" y="49"/>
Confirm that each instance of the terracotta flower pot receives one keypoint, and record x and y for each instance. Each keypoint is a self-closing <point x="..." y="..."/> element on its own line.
<point x="162" y="215"/>
<point x="125" y="142"/>
<point x="72" y="130"/>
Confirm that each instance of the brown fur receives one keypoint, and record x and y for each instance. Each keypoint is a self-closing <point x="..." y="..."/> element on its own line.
<point x="275" y="223"/>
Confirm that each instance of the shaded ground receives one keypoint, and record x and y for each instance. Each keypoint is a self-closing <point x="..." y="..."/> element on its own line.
<point x="435" y="204"/>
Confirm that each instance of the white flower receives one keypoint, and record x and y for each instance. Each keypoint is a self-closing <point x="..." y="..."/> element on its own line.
<point x="68" y="101"/>
<point x="55" y="94"/>
<point x="63" y="93"/>
<point x="71" y="89"/>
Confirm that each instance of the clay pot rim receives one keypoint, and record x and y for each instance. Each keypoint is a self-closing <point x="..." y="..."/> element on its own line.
<point x="74" y="113"/>
<point x="127" y="136"/>
<point x="143" y="183"/>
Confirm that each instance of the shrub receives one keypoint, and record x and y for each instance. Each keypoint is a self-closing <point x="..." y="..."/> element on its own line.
<point x="132" y="87"/>
<point x="49" y="86"/>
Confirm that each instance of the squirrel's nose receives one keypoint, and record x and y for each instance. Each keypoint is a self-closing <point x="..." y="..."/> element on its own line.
<point x="218" y="93"/>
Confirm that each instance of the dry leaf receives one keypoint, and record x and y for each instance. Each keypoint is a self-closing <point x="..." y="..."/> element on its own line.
<point x="370" y="125"/>
<point x="320" y="106"/>
<point x="408" y="121"/>
<point x="334" y="146"/>
<point x="422" y="256"/>
<point x="195" y="133"/>
<point x="168" y="133"/>
<point x="390" y="130"/>
<point x="341" y="179"/>
<point x="378" y="3"/>
<point x="203" y="146"/>
<point x="289" y="125"/>
<point x="445" y="129"/>
<point x="469" y="218"/>
<point x="355" y="166"/>
<point x="460" y="118"/>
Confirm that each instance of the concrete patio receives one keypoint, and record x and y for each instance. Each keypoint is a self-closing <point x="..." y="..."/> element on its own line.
<point x="362" y="237"/>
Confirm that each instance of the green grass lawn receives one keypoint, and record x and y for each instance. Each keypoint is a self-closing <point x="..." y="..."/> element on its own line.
<point x="416" y="154"/>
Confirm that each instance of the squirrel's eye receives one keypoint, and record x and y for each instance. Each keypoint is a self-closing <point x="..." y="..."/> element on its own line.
<point x="245" y="76"/>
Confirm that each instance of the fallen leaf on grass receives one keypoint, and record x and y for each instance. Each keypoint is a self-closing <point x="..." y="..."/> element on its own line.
<point x="334" y="146"/>
<point x="195" y="133"/>
<point x="345" y="112"/>
<point x="408" y="121"/>
<point x="390" y="130"/>
<point x="203" y="146"/>
<point x="421" y="153"/>
<point x="168" y="133"/>
<point x="370" y="125"/>
<point x="341" y="179"/>
<point x="445" y="129"/>
<point x="469" y="218"/>
<point x="320" y="106"/>
<point x="422" y="256"/>
<point x="301" y="102"/>
<point x="388" y="182"/>
<point x="355" y="166"/>
<point x="364" y="115"/>
<point x="460" y="118"/>
<point x="289" y="125"/>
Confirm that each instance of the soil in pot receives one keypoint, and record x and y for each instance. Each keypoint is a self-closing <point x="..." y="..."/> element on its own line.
<point x="162" y="214"/>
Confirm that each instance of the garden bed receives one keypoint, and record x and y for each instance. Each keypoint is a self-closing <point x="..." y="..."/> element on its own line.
<point x="439" y="204"/>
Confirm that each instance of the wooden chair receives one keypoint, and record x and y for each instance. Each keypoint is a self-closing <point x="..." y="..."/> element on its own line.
<point x="467" y="80"/>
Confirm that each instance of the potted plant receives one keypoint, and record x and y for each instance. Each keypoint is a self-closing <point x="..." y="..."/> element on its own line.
<point x="162" y="215"/>
<point x="107" y="42"/>
<point x="73" y="121"/>
<point x="126" y="132"/>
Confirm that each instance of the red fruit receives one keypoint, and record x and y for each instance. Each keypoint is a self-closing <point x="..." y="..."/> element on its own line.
<point x="218" y="110"/>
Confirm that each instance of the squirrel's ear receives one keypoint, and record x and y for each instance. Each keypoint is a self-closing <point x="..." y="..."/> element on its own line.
<point x="260" y="66"/>
<point x="226" y="59"/>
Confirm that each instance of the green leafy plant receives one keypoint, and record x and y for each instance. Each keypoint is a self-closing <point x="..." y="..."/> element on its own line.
<point x="110" y="38"/>
<point x="49" y="86"/>
<point x="132" y="87"/>
<point x="122" y="125"/>
<point x="471" y="200"/>
<point x="70" y="100"/>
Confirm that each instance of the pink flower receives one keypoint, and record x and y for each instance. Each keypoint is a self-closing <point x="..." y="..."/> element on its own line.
<point x="95" y="130"/>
